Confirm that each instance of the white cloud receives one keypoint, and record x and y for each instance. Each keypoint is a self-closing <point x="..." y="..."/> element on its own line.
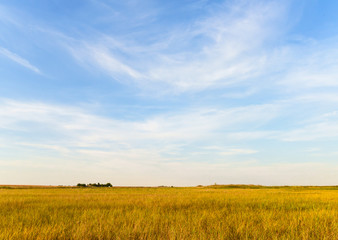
<point x="243" y="44"/>
<point x="7" y="17"/>
<point x="228" y="49"/>
<point x="101" y="57"/>
<point x="312" y="65"/>
<point x="317" y="131"/>
<point x="233" y="52"/>
<point x="16" y="58"/>
<point x="175" y="126"/>
<point x="151" y="151"/>
<point x="238" y="151"/>
<point x="44" y="146"/>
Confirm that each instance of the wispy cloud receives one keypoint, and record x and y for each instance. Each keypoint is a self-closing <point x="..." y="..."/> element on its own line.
<point x="226" y="48"/>
<point x="6" y="17"/>
<point x="325" y="129"/>
<point x="101" y="57"/>
<point x="18" y="59"/>
<point x="92" y="129"/>
<point x="176" y="141"/>
<point x="76" y="128"/>
<point x="55" y="131"/>
<point x="238" y="151"/>
<point x="233" y="45"/>
<point x="230" y="50"/>
<point x="311" y="65"/>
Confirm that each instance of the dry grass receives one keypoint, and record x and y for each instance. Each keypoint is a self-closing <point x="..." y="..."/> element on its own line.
<point x="169" y="213"/>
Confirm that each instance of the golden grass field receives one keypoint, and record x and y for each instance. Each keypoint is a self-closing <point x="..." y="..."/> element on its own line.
<point x="215" y="212"/>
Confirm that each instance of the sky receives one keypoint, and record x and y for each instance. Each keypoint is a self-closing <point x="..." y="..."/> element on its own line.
<point x="182" y="93"/>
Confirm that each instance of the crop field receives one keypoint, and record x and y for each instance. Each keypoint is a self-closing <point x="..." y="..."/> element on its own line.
<point x="214" y="212"/>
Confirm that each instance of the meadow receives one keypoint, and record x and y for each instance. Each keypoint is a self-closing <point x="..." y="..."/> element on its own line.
<point x="214" y="212"/>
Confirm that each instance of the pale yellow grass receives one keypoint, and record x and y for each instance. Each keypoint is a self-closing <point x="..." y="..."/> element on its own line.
<point x="169" y="213"/>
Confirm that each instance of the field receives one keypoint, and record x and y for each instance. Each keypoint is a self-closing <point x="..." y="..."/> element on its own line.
<point x="214" y="212"/>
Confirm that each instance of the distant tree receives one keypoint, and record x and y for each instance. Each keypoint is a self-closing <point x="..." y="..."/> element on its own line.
<point x="95" y="185"/>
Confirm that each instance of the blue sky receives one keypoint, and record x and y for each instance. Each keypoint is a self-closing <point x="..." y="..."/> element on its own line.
<point x="169" y="92"/>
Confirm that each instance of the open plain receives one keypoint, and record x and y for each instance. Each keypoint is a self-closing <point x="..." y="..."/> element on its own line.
<point x="214" y="212"/>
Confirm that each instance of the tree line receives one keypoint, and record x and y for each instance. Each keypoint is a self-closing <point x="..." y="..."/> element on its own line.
<point x="94" y="185"/>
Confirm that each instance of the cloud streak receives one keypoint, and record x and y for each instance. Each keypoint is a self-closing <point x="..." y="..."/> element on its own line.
<point x="19" y="60"/>
<point x="175" y="126"/>
<point x="228" y="50"/>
